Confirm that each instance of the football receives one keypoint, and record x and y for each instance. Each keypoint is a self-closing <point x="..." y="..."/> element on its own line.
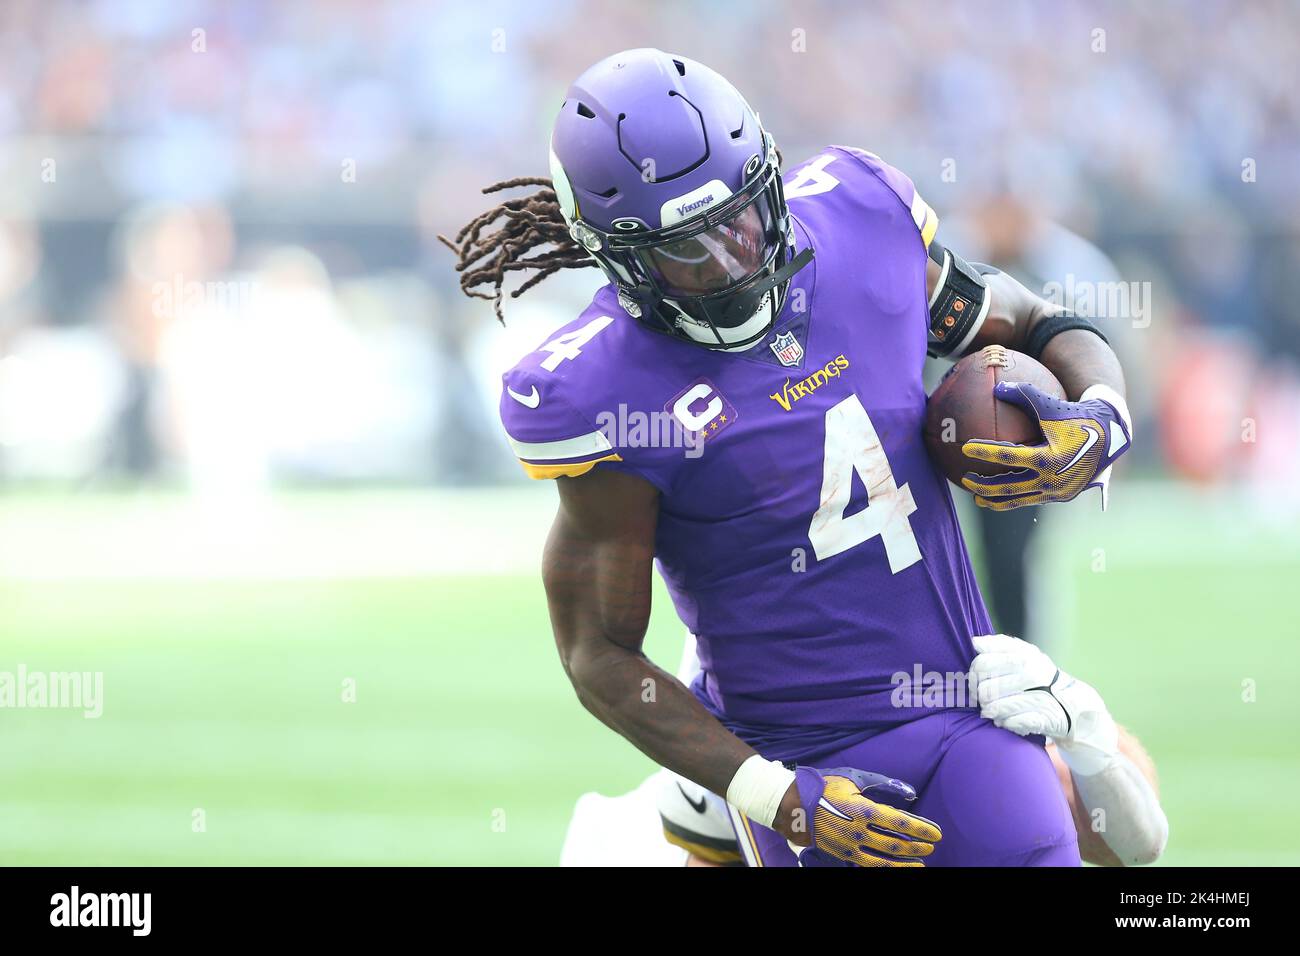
<point x="963" y="408"/>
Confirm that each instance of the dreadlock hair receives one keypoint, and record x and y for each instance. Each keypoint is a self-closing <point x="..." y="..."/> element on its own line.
<point x="525" y="225"/>
<point x="528" y="223"/>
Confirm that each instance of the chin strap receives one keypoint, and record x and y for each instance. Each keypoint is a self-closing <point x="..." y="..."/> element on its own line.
<point x="748" y="301"/>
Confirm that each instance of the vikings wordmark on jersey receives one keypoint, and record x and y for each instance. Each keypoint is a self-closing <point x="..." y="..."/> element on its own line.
<point x="811" y="546"/>
<point x="791" y="394"/>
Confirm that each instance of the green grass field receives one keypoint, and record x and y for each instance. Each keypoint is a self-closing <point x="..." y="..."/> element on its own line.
<point x="224" y="680"/>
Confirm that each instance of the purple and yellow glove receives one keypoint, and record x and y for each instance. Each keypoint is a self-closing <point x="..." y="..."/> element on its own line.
<point x="1083" y="439"/>
<point x="851" y="828"/>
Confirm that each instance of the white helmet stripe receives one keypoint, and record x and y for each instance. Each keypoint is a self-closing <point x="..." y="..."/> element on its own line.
<point x="563" y="190"/>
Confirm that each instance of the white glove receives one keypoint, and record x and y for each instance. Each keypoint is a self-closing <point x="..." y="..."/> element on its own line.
<point x="1021" y="690"/>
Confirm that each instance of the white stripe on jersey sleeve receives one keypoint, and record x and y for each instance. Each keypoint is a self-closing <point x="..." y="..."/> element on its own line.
<point x="589" y="444"/>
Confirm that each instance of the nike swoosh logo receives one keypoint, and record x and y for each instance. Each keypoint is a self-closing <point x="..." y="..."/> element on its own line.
<point x="1069" y="721"/>
<point x="528" y="401"/>
<point x="834" y="811"/>
<point x="1092" y="440"/>
<point x="697" y="807"/>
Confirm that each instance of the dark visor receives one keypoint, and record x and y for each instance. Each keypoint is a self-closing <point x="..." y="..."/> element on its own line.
<point x="722" y="256"/>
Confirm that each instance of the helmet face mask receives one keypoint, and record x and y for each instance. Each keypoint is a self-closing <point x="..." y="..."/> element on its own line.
<point x="703" y="253"/>
<point x="716" y="259"/>
<point x="702" y="279"/>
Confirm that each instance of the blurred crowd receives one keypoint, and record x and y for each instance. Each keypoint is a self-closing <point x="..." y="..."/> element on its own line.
<point x="217" y="219"/>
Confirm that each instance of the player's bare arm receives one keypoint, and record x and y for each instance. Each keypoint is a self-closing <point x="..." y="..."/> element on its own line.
<point x="1084" y="435"/>
<point x="1077" y="357"/>
<point x="597" y="571"/>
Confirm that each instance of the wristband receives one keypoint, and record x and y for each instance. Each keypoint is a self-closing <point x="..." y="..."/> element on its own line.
<point x="758" y="788"/>
<point x="1051" y="326"/>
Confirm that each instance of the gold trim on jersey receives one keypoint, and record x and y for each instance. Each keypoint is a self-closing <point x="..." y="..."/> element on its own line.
<point x="925" y="218"/>
<point x="570" y="469"/>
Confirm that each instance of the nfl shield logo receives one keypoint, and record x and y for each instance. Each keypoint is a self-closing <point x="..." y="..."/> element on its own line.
<point x="787" y="349"/>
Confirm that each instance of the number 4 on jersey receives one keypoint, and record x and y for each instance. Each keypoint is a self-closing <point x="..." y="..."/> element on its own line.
<point x="852" y="444"/>
<point x="566" y="347"/>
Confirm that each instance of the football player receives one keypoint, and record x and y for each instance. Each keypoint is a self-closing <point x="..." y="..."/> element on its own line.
<point x="742" y="404"/>
<point x="1108" y="779"/>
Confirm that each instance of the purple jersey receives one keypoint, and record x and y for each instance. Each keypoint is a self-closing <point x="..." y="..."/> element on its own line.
<point x="804" y="535"/>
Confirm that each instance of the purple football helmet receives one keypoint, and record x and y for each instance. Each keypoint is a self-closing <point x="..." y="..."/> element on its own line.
<point x="666" y="178"/>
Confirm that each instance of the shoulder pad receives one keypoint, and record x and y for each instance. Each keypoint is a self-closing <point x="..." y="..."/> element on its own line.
<point x="549" y="434"/>
<point x="862" y="173"/>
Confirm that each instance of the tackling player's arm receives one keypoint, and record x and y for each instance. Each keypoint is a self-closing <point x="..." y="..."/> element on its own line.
<point x="973" y="306"/>
<point x="597" y="570"/>
<point x="1110" y="777"/>
<point x="1126" y="802"/>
